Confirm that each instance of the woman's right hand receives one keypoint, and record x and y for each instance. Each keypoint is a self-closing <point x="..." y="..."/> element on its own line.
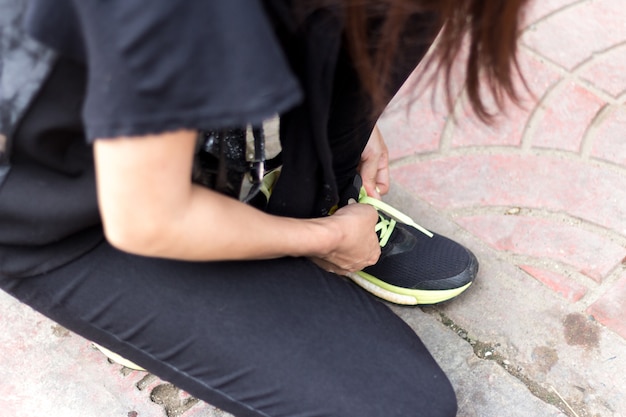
<point x="357" y="244"/>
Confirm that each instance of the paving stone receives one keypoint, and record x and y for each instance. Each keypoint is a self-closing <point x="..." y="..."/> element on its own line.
<point x="610" y="309"/>
<point x="47" y="370"/>
<point x="549" y="340"/>
<point x="559" y="283"/>
<point x="538" y="76"/>
<point x="416" y="118"/>
<point x="80" y="381"/>
<point x="405" y="118"/>
<point x="590" y="254"/>
<point x="609" y="141"/>
<point x="568" y="42"/>
<point x="529" y="318"/>
<point x="491" y="391"/>
<point x="606" y="71"/>
<point x="471" y="132"/>
<point x="509" y="125"/>
<point x="547" y="182"/>
<point x="539" y="9"/>
<point x="567" y="112"/>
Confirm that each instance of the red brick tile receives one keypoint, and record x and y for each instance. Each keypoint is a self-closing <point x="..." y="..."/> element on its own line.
<point x="538" y="9"/>
<point x="607" y="71"/>
<point x="415" y="119"/>
<point x="568" y="113"/>
<point x="610" y="309"/>
<point x="413" y="126"/>
<point x="610" y="139"/>
<point x="589" y="192"/>
<point x="566" y="287"/>
<point x="562" y="38"/>
<point x="590" y="254"/>
<point x="508" y="127"/>
<point x="538" y="76"/>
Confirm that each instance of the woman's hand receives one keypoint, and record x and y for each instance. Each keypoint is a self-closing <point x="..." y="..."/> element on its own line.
<point x="374" y="167"/>
<point x="358" y="244"/>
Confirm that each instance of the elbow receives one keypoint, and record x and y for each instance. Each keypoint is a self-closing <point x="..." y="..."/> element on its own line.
<point x="145" y="237"/>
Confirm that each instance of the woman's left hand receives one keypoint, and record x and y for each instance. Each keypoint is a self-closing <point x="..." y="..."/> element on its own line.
<point x="374" y="166"/>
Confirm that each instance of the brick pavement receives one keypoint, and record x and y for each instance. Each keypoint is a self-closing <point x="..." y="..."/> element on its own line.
<point x="539" y="196"/>
<point x="545" y="185"/>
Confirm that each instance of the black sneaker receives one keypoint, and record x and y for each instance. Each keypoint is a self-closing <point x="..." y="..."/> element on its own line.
<point x="416" y="266"/>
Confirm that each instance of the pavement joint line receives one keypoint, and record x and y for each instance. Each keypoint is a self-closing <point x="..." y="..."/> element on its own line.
<point x="542" y="213"/>
<point x="512" y="150"/>
<point x="572" y="75"/>
<point x="530" y="127"/>
<point x="551" y="93"/>
<point x="567" y="72"/>
<point x="621" y="99"/>
<point x="540" y="107"/>
<point x="144" y="382"/>
<point x="595" y="289"/>
<point x="613" y="166"/>
<point x="488" y="351"/>
<point x="452" y="115"/>
<point x="561" y="268"/>
<point x="612" y="278"/>
<point x="551" y="14"/>
<point x="562" y="71"/>
<point x="598" y="54"/>
<point x="590" y="135"/>
<point x="594" y="57"/>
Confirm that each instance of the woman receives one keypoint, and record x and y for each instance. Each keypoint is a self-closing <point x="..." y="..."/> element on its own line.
<point x="241" y="307"/>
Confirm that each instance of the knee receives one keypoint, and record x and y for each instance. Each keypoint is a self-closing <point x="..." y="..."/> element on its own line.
<point x="427" y="397"/>
<point x="444" y="402"/>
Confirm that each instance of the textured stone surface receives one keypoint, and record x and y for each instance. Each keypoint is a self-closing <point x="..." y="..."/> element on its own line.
<point x="539" y="196"/>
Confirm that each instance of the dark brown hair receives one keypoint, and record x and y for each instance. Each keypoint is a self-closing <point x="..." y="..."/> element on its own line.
<point x="490" y="28"/>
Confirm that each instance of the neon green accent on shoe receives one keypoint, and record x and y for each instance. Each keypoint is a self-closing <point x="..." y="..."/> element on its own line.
<point x="403" y="296"/>
<point x="388" y="219"/>
<point x="117" y="358"/>
<point x="269" y="180"/>
<point x="386" y="226"/>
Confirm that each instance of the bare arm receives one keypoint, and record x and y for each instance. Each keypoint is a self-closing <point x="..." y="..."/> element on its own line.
<point x="150" y="207"/>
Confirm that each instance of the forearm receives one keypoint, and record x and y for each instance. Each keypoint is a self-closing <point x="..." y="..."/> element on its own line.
<point x="150" y="207"/>
<point x="210" y="226"/>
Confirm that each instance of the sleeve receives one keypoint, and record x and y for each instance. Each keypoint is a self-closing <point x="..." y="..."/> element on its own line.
<point x="163" y="65"/>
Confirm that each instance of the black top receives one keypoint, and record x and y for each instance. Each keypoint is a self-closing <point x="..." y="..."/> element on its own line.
<point x="173" y="64"/>
<point x="125" y="68"/>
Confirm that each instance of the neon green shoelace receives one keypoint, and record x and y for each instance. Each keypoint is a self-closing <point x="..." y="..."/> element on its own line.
<point x="385" y="226"/>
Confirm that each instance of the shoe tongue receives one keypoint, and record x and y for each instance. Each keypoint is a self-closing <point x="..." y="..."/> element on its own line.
<point x="400" y="241"/>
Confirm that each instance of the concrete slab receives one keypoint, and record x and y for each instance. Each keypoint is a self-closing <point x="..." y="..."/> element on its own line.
<point x="531" y="332"/>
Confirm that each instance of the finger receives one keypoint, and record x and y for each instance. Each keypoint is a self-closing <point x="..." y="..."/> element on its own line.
<point x="328" y="266"/>
<point x="369" y="174"/>
<point x="382" y="180"/>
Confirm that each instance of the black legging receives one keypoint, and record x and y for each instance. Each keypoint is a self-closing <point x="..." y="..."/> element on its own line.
<point x="266" y="338"/>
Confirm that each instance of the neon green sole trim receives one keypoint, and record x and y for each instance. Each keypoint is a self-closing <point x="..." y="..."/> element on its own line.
<point x="117" y="358"/>
<point x="404" y="296"/>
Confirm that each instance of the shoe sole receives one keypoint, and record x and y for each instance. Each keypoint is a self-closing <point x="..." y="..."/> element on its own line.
<point x="117" y="358"/>
<point x="403" y="296"/>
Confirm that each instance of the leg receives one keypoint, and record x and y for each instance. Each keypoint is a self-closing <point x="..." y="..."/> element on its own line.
<point x="268" y="338"/>
<point x="414" y="267"/>
<point x="352" y="118"/>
